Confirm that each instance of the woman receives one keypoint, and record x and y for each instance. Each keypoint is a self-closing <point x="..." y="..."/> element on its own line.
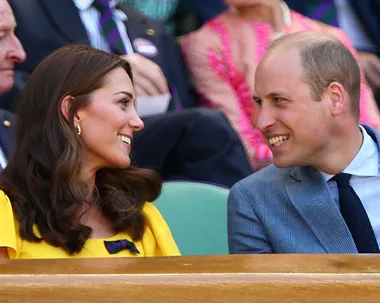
<point x="223" y="55"/>
<point x="69" y="190"/>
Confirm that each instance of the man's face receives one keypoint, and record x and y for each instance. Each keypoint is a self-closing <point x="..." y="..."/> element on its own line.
<point x="296" y="128"/>
<point x="11" y="50"/>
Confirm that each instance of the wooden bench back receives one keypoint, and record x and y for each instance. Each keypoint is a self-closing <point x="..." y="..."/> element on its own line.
<point x="206" y="279"/>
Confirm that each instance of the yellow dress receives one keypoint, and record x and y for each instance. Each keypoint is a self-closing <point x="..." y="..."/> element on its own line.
<point x="156" y="241"/>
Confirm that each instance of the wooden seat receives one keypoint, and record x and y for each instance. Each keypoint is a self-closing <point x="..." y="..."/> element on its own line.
<point x="256" y="278"/>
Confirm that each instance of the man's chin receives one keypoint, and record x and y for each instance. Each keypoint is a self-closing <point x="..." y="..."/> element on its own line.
<point x="283" y="163"/>
<point x="5" y="85"/>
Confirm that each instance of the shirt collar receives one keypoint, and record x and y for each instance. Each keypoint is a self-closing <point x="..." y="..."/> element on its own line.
<point x="365" y="163"/>
<point x="86" y="4"/>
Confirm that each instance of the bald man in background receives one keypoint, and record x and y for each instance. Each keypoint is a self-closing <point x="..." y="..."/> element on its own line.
<point x="11" y="52"/>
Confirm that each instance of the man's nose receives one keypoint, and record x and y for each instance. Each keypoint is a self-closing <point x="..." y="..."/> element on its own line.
<point x="15" y="52"/>
<point x="266" y="118"/>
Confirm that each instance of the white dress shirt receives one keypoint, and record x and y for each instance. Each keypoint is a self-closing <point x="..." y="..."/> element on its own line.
<point x="350" y="24"/>
<point x="3" y="159"/>
<point x="90" y="17"/>
<point x="365" y="180"/>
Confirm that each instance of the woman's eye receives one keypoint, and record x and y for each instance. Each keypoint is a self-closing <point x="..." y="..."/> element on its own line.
<point x="124" y="102"/>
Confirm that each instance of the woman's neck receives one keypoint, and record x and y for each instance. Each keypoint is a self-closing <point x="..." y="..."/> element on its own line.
<point x="92" y="214"/>
<point x="89" y="176"/>
<point x="266" y="15"/>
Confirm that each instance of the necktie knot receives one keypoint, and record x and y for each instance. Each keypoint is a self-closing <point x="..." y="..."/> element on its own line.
<point x="342" y="180"/>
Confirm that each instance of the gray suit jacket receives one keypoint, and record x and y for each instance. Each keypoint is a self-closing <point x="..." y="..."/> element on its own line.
<point x="288" y="210"/>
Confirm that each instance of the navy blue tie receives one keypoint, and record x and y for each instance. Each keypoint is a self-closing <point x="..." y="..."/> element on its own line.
<point x="356" y="217"/>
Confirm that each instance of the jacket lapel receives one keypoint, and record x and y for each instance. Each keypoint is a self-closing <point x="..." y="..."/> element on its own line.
<point x="311" y="197"/>
<point x="65" y="15"/>
<point x="6" y="133"/>
<point x="141" y="28"/>
<point x="375" y="135"/>
<point x="136" y="23"/>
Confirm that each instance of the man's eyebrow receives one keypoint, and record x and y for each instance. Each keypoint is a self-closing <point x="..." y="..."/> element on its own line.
<point x="269" y="96"/>
<point x="255" y="97"/>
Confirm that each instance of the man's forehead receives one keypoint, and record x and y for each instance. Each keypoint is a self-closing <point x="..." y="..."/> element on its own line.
<point x="282" y="56"/>
<point x="279" y="72"/>
<point x="7" y="18"/>
<point x="279" y="64"/>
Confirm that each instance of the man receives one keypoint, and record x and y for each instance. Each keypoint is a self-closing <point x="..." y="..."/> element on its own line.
<point x="307" y="88"/>
<point x="195" y="144"/>
<point x="223" y="71"/>
<point x="361" y="22"/>
<point x="11" y="52"/>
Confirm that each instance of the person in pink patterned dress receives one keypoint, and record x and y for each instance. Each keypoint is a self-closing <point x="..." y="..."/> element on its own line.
<point x="223" y="55"/>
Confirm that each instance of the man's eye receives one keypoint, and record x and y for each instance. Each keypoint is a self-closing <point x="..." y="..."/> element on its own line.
<point x="258" y="102"/>
<point x="277" y="100"/>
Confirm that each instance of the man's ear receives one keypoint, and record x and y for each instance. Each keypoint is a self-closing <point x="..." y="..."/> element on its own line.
<point x="337" y="98"/>
<point x="65" y="108"/>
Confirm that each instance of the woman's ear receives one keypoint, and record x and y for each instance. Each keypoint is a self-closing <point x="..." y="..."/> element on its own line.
<point x="66" y="105"/>
<point x="65" y="108"/>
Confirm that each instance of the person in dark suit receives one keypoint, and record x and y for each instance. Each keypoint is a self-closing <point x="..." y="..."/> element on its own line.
<point x="321" y="194"/>
<point x="193" y="143"/>
<point x="6" y="135"/>
<point x="361" y="22"/>
<point x="11" y="52"/>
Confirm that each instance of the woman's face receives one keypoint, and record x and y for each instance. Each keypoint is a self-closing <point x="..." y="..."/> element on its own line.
<point x="109" y="122"/>
<point x="271" y="6"/>
<point x="265" y="11"/>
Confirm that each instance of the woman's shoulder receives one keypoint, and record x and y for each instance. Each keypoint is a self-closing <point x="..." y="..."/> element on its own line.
<point x="150" y="211"/>
<point x="157" y="239"/>
<point x="9" y="238"/>
<point x="153" y="218"/>
<point x="6" y="213"/>
<point x="5" y="203"/>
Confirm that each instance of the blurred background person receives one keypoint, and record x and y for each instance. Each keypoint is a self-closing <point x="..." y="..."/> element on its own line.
<point x="360" y="20"/>
<point x="180" y="16"/>
<point x="11" y="52"/>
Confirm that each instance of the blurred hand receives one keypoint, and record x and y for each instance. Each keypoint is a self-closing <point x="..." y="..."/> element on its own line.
<point x="269" y="11"/>
<point x="370" y="64"/>
<point x="148" y="78"/>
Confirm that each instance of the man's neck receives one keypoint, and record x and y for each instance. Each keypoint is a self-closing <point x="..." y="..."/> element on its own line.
<point x="342" y="152"/>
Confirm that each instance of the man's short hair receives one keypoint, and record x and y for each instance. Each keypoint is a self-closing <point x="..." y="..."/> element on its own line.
<point x="325" y="60"/>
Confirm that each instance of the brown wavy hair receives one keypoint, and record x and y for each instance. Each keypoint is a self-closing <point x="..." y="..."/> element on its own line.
<point x="42" y="179"/>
